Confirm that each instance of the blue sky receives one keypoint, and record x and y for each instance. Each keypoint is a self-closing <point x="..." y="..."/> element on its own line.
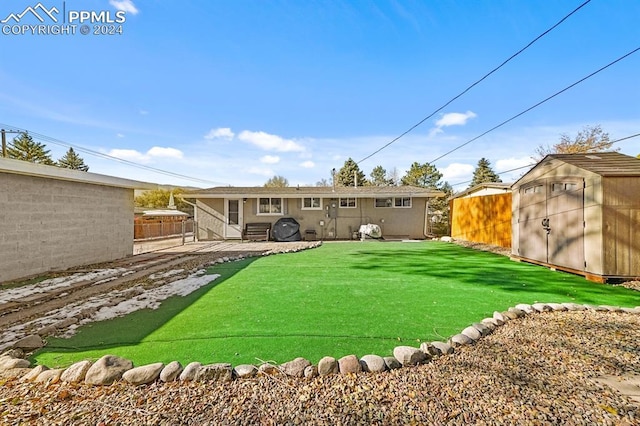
<point x="235" y="92"/>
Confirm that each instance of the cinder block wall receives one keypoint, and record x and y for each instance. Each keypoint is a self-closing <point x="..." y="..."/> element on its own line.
<point x="50" y="224"/>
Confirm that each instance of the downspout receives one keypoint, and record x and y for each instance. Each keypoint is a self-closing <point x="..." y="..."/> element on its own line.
<point x="426" y="217"/>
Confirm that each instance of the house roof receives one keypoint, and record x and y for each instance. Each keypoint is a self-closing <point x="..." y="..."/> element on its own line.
<point x="314" y="191"/>
<point x="486" y="185"/>
<point x="608" y="164"/>
<point x="20" y="167"/>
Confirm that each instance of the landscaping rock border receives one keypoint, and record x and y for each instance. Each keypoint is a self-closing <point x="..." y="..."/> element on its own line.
<point x="110" y="368"/>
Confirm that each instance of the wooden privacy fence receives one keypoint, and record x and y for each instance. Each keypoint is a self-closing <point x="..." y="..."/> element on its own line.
<point x="159" y="228"/>
<point x="484" y="219"/>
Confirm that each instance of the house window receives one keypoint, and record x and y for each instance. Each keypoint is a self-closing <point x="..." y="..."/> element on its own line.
<point x="312" y="203"/>
<point x="347" y="203"/>
<point x="270" y="206"/>
<point x="396" y="202"/>
<point x="403" y="202"/>
<point x="383" y="202"/>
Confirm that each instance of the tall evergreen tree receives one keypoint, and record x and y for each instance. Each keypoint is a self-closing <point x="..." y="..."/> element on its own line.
<point x="73" y="161"/>
<point x="379" y="177"/>
<point x="427" y="176"/>
<point x="25" y="148"/>
<point x="484" y="173"/>
<point x="349" y="173"/>
<point x="424" y="175"/>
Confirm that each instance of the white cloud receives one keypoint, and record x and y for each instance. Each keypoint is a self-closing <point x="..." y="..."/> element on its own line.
<point x="452" y="119"/>
<point x="158" y="151"/>
<point x="129" y="154"/>
<point x="120" y="135"/>
<point x="457" y="171"/>
<point x="220" y="133"/>
<point x="139" y="157"/>
<point x="307" y="164"/>
<point x="455" y="119"/>
<point x="143" y="112"/>
<point x="125" y="5"/>
<point x="504" y="167"/>
<point x="270" y="142"/>
<point x="270" y="159"/>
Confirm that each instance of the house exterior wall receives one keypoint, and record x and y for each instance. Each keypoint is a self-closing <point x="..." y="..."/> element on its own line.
<point x="209" y="216"/>
<point x="406" y="222"/>
<point x="51" y="224"/>
<point x="483" y="219"/>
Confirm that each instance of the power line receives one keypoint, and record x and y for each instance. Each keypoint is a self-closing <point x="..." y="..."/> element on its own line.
<point x="537" y="104"/>
<point x="58" y="142"/>
<point x="603" y="144"/>
<point x="475" y="83"/>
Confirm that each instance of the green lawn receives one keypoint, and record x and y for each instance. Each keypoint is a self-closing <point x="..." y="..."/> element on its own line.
<point x="339" y="299"/>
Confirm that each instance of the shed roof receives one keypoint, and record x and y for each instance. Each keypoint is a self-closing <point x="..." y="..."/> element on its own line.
<point x="314" y="191"/>
<point x="493" y="185"/>
<point x="608" y="164"/>
<point x="20" y="167"/>
<point x="603" y="163"/>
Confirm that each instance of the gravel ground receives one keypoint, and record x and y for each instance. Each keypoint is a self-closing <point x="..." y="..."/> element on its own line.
<point x="536" y="370"/>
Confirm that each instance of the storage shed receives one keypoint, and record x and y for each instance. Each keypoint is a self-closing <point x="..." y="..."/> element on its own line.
<point x="580" y="213"/>
<point x="53" y="218"/>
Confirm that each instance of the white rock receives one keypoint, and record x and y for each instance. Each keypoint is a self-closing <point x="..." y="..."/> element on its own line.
<point x="408" y="355"/>
<point x="143" y="374"/>
<point x="373" y="363"/>
<point x="171" y="372"/>
<point x="189" y="372"/>
<point x="295" y="367"/>
<point x="34" y="373"/>
<point x="472" y="333"/>
<point x="460" y="340"/>
<point x="76" y="373"/>
<point x="49" y="377"/>
<point x="525" y="308"/>
<point x="9" y="362"/>
<point x="328" y="365"/>
<point x="219" y="372"/>
<point x="107" y="370"/>
<point x="444" y="348"/>
<point x="245" y="371"/>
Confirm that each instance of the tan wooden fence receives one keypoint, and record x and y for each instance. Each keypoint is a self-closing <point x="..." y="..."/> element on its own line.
<point x="158" y="228"/>
<point x="485" y="219"/>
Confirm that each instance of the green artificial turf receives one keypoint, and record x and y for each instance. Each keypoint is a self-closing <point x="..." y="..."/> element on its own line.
<point x="339" y="299"/>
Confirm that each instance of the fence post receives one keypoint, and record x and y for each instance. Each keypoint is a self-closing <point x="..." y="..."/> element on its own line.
<point x="183" y="230"/>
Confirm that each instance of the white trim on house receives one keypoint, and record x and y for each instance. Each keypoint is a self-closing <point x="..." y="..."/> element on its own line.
<point x="348" y="202"/>
<point x="311" y="203"/>
<point x="271" y="207"/>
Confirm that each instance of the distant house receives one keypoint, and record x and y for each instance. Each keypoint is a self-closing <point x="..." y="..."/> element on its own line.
<point x="326" y="212"/>
<point x="53" y="218"/>
<point x="580" y="213"/>
<point x="482" y="214"/>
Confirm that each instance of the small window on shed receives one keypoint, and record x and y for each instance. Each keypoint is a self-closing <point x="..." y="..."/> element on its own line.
<point x="564" y="186"/>
<point x="402" y="202"/>
<point x="535" y="189"/>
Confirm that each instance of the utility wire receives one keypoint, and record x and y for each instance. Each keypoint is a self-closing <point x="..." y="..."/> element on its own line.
<point x="475" y="83"/>
<point x="536" y="105"/>
<point x="603" y="144"/>
<point x="55" y="141"/>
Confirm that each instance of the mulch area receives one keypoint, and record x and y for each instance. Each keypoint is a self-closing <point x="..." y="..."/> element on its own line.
<point x="540" y="369"/>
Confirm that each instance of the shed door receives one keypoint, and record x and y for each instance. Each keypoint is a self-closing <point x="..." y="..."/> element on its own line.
<point x="565" y="213"/>
<point x="533" y="210"/>
<point x="551" y="222"/>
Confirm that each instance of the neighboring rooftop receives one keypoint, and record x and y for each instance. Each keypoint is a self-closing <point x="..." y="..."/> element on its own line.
<point x="311" y="191"/>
